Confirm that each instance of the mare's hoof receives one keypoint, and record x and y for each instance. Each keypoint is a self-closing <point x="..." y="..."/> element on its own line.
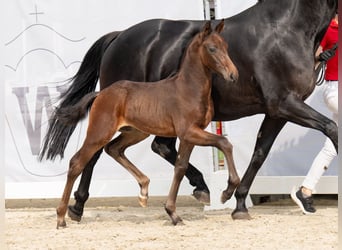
<point x="238" y="215"/>
<point x="73" y="214"/>
<point x="143" y="200"/>
<point x="160" y="149"/>
<point x="202" y="196"/>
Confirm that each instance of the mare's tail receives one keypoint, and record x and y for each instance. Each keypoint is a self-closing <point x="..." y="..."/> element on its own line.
<point x="71" y="115"/>
<point x="84" y="82"/>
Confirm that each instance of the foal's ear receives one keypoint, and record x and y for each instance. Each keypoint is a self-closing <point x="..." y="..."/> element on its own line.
<point x="220" y="26"/>
<point x="206" y="30"/>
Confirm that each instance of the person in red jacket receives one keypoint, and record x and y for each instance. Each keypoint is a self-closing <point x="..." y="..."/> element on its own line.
<point x="327" y="52"/>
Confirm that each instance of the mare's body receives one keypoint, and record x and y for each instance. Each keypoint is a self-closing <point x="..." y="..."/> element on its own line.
<point x="272" y="44"/>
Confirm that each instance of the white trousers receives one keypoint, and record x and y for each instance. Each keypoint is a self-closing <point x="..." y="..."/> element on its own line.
<point x="328" y="152"/>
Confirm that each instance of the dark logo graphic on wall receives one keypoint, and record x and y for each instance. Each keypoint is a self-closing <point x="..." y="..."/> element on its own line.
<point x="37" y="72"/>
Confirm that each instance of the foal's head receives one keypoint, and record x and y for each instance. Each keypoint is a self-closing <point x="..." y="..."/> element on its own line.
<point x="214" y="52"/>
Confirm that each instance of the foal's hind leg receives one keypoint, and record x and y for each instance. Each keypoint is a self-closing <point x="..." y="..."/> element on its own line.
<point x="99" y="133"/>
<point x="81" y="195"/>
<point x="116" y="148"/>
<point x="76" y="166"/>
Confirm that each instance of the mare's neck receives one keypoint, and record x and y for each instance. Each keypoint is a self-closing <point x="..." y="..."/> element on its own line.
<point x="308" y="17"/>
<point x="314" y="16"/>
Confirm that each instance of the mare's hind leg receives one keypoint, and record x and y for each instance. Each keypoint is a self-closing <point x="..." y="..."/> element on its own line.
<point x="116" y="148"/>
<point x="181" y="165"/>
<point x="165" y="147"/>
<point x="201" y="137"/>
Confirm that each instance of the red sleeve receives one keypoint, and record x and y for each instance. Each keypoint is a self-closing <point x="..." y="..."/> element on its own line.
<point x="324" y="40"/>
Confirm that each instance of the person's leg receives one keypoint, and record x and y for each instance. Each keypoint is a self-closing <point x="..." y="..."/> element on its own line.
<point x="303" y="197"/>
<point x="328" y="152"/>
<point x="318" y="167"/>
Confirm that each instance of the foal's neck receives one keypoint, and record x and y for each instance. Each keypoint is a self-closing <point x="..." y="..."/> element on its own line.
<point x="192" y="68"/>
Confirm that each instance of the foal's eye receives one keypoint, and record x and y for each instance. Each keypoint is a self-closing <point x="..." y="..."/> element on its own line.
<point x="211" y="49"/>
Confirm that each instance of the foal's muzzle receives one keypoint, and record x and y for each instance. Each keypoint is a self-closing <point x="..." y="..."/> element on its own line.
<point x="230" y="76"/>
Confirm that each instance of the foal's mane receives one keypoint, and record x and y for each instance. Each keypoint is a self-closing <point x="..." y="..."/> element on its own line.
<point x="206" y="28"/>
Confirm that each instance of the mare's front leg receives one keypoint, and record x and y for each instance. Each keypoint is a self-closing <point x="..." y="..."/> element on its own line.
<point x="116" y="149"/>
<point x="268" y="132"/>
<point x="297" y="111"/>
<point x="165" y="147"/>
<point x="291" y="109"/>
<point x="181" y="165"/>
<point x="81" y="195"/>
<point x="76" y="166"/>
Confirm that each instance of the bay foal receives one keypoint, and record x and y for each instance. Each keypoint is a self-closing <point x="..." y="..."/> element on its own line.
<point x="179" y="106"/>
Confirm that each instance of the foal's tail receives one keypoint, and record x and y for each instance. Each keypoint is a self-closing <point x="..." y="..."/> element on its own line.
<point x="84" y="82"/>
<point x="71" y="115"/>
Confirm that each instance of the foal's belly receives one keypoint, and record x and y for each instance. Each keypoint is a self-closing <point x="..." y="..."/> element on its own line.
<point x="157" y="130"/>
<point x="166" y="124"/>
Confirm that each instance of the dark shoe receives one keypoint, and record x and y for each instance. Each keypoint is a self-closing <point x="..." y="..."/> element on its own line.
<point x="305" y="204"/>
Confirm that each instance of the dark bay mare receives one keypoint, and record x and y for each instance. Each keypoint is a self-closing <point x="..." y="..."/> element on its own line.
<point x="178" y="106"/>
<point x="272" y="45"/>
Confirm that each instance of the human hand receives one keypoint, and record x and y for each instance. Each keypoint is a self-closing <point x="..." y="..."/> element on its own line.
<point x="327" y="54"/>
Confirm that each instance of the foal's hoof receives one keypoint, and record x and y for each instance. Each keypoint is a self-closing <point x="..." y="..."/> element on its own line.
<point x="174" y="217"/>
<point x="226" y="195"/>
<point x="175" y="220"/>
<point x="61" y="223"/>
<point x="238" y="215"/>
<point x="143" y="200"/>
<point x="202" y="196"/>
<point x="73" y="214"/>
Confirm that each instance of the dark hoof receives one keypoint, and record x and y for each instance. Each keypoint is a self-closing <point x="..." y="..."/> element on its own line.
<point x="160" y="149"/>
<point x="202" y="196"/>
<point x="74" y="214"/>
<point x="241" y="215"/>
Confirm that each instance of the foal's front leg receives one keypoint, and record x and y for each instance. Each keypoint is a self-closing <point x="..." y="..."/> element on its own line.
<point x="181" y="165"/>
<point x="165" y="147"/>
<point x="201" y="137"/>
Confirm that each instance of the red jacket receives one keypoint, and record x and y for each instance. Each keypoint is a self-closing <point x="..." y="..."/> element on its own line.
<point x="329" y="40"/>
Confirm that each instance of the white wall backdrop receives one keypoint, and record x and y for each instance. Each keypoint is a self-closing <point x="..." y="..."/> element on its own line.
<point x="44" y="43"/>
